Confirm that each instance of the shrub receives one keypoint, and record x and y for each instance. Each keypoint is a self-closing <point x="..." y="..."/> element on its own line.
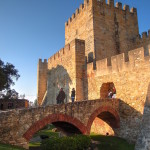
<point x="78" y="142"/>
<point x="82" y="141"/>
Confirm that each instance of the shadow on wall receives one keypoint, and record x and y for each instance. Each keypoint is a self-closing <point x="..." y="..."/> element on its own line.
<point x="57" y="78"/>
<point x="130" y="121"/>
<point x="85" y="81"/>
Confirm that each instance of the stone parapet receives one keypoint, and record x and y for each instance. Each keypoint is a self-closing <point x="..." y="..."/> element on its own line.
<point x="118" y="63"/>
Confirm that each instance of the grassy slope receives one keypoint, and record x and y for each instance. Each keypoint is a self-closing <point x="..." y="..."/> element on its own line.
<point x="112" y="143"/>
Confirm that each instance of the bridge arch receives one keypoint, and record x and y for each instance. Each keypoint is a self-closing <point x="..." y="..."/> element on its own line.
<point x="107" y="114"/>
<point x="52" y="119"/>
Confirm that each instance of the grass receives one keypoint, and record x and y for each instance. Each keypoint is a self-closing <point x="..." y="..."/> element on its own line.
<point x="45" y="131"/>
<point x="105" y="142"/>
<point x="9" y="147"/>
<point x="34" y="144"/>
<point x="112" y="143"/>
<point x="48" y="132"/>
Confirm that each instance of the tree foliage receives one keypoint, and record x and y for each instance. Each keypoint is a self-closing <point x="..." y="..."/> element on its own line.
<point x="8" y="73"/>
<point x="11" y="94"/>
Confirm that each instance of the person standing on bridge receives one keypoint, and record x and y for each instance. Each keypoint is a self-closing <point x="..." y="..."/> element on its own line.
<point x="61" y="96"/>
<point x="73" y="93"/>
<point x="114" y="92"/>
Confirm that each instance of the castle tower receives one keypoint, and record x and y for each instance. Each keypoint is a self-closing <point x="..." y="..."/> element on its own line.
<point x="107" y="29"/>
<point x="41" y="80"/>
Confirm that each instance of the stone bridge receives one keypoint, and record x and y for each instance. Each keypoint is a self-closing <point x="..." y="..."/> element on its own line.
<point x="18" y="126"/>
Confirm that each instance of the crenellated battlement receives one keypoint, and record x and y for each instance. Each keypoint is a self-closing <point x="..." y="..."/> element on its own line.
<point x="108" y="4"/>
<point x="77" y="12"/>
<point x="42" y="64"/>
<point x="144" y="36"/>
<point x="60" y="54"/>
<point x="118" y="63"/>
<point x="118" y="5"/>
<point x="126" y="8"/>
<point x="67" y="52"/>
<point x="40" y="61"/>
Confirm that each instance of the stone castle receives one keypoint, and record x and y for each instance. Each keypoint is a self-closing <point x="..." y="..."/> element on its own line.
<point x="102" y="49"/>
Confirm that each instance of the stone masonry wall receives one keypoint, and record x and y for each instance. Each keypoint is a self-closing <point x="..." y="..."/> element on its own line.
<point x="143" y="142"/>
<point x="131" y="82"/>
<point x="18" y="126"/>
<point x="114" y="28"/>
<point x="65" y="71"/>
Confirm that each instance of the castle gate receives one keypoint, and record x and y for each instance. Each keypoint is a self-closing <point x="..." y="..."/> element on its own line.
<point x="18" y="126"/>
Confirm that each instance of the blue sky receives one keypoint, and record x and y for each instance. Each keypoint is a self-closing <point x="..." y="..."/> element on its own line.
<point x="33" y="29"/>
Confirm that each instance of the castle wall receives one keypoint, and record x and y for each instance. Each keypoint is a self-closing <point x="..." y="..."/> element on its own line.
<point x="65" y="71"/>
<point x="105" y="31"/>
<point x="142" y="41"/>
<point x="131" y="81"/>
<point x="41" y="80"/>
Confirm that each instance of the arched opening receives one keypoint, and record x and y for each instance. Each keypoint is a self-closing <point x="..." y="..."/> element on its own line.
<point x="104" y="121"/>
<point x="66" y="128"/>
<point x="64" y="123"/>
<point x="54" y="130"/>
<point x="106" y="88"/>
<point x="104" y="124"/>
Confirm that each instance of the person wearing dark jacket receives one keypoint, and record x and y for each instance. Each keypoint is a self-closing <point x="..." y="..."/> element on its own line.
<point x="61" y="96"/>
<point x="73" y="94"/>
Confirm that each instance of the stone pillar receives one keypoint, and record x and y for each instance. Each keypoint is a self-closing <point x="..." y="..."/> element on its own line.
<point x="79" y="63"/>
<point x="41" y="80"/>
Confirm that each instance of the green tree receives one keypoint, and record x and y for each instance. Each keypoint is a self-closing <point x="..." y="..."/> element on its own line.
<point x="8" y="73"/>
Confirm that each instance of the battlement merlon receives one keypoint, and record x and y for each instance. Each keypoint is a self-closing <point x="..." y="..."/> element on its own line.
<point x="42" y="63"/>
<point x="110" y="3"/>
